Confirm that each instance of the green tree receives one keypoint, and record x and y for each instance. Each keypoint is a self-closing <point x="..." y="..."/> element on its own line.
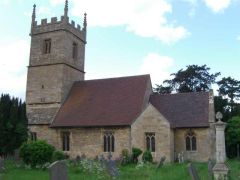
<point x="193" y="79"/>
<point x="231" y="88"/>
<point x="233" y="136"/>
<point x="13" y="124"/>
<point x="221" y="105"/>
<point x="163" y="89"/>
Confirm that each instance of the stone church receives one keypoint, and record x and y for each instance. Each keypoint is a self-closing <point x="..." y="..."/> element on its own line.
<point x="94" y="117"/>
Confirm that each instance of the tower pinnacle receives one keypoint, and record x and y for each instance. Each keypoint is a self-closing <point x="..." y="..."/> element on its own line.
<point x="34" y="14"/>
<point x="85" y="22"/>
<point x="66" y="9"/>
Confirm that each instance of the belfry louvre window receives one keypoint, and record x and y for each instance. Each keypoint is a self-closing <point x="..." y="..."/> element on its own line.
<point x="150" y="142"/>
<point x="108" y="142"/>
<point x="74" y="50"/>
<point x="65" y="141"/>
<point x="47" y="46"/>
<point x="191" y="141"/>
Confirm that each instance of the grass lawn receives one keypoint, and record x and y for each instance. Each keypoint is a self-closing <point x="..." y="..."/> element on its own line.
<point x="147" y="172"/>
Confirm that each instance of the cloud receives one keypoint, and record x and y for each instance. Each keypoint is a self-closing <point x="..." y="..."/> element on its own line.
<point x="193" y="6"/>
<point x="14" y="58"/>
<point x="157" y="66"/>
<point x="146" y="18"/>
<point x="45" y="11"/>
<point x="217" y="5"/>
<point x="238" y="37"/>
<point x="56" y="2"/>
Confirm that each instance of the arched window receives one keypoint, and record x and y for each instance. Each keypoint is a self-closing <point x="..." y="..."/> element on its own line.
<point x="65" y="141"/>
<point x="108" y="141"/>
<point x="150" y="141"/>
<point x="191" y="141"/>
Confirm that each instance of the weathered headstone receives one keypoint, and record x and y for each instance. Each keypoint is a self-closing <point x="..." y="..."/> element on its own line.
<point x="210" y="169"/>
<point x="102" y="160"/>
<point x="77" y="160"/>
<point x="112" y="167"/>
<point x="83" y="156"/>
<point x="162" y="159"/>
<point x="181" y="157"/>
<point x="58" y="171"/>
<point x="193" y="172"/>
<point x="1" y="164"/>
<point x="16" y="155"/>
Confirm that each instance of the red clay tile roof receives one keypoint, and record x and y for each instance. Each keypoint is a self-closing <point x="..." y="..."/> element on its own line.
<point x="103" y="102"/>
<point x="183" y="109"/>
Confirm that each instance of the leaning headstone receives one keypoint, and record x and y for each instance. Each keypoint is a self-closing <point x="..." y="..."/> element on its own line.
<point x="112" y="167"/>
<point x="58" y="171"/>
<point x="193" y="172"/>
<point x="210" y="169"/>
<point x="162" y="159"/>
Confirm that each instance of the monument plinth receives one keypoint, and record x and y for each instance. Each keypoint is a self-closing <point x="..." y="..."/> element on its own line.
<point x="220" y="170"/>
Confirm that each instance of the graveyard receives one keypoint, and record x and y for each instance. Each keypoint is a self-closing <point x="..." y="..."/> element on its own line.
<point x="18" y="171"/>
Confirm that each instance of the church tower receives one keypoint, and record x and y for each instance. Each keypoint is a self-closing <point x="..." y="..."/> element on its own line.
<point x="57" y="57"/>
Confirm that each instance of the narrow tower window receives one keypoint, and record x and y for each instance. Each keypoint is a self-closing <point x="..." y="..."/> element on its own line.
<point x="47" y="46"/>
<point x="33" y="136"/>
<point x="66" y="141"/>
<point x="74" y="50"/>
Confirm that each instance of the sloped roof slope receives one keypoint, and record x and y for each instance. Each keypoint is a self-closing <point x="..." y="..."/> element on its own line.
<point x="103" y="102"/>
<point x="183" y="109"/>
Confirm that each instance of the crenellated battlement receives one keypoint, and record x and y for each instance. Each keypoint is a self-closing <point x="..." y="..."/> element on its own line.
<point x="56" y="25"/>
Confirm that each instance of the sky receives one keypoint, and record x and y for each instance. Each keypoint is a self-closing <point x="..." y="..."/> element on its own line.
<point x="129" y="37"/>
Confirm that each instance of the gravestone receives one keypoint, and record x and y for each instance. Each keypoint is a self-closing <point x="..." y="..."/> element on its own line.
<point x="181" y="157"/>
<point x="102" y="160"/>
<point x="193" y="172"/>
<point x="112" y="167"/>
<point x="83" y="156"/>
<point x="58" y="171"/>
<point x="77" y="160"/>
<point x="1" y="165"/>
<point x="16" y="155"/>
<point x="210" y="169"/>
<point x="162" y="159"/>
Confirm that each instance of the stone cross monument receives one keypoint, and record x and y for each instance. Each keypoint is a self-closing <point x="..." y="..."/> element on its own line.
<point x="220" y="170"/>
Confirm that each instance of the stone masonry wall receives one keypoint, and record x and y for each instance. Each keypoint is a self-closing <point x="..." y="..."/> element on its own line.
<point x="152" y="121"/>
<point x="61" y="49"/>
<point x="46" y="133"/>
<point x="205" y="144"/>
<point x="88" y="141"/>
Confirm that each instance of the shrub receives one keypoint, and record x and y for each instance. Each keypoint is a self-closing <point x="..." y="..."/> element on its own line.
<point x="147" y="156"/>
<point x="58" y="155"/>
<point x="136" y="152"/>
<point x="125" y="157"/>
<point x="36" y="153"/>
